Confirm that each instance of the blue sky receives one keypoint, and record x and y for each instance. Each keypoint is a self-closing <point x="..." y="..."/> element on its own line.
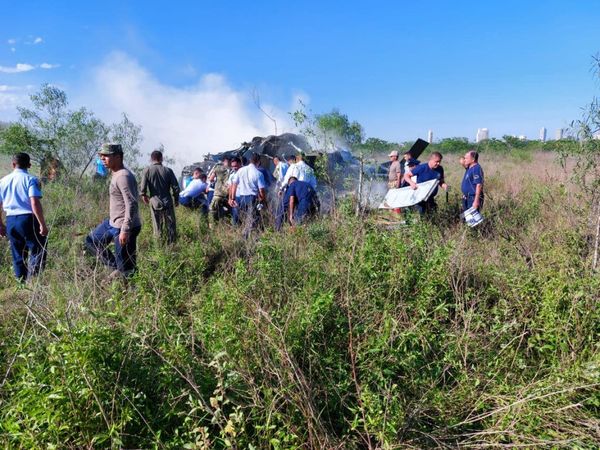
<point x="399" y="68"/>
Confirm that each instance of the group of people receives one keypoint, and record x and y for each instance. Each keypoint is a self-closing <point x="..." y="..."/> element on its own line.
<point x="410" y="172"/>
<point x="244" y="192"/>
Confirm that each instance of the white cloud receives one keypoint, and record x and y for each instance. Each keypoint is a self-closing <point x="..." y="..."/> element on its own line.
<point x="38" y="40"/>
<point x="12" y="41"/>
<point x="12" y="49"/>
<point x="207" y="117"/>
<point x="17" y="69"/>
<point x="49" y="66"/>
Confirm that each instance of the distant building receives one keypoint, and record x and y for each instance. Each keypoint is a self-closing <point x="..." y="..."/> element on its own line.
<point x="483" y="134"/>
<point x="543" y="134"/>
<point x="522" y="137"/>
<point x="430" y="136"/>
<point x="559" y="134"/>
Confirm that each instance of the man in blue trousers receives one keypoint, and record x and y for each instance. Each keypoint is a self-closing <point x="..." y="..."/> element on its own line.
<point x="25" y="228"/>
<point x="123" y="225"/>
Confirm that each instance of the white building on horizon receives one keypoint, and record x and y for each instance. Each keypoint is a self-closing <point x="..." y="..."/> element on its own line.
<point x="559" y="134"/>
<point x="483" y="134"/>
<point x="430" y="136"/>
<point x="543" y="134"/>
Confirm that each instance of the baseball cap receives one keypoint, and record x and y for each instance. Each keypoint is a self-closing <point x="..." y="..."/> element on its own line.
<point x="111" y="149"/>
<point x="394" y="153"/>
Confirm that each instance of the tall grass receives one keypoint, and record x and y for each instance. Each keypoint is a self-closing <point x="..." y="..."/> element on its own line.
<point x="339" y="334"/>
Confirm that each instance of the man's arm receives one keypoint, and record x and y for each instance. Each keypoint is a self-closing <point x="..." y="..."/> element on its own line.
<point x="408" y="179"/>
<point x="291" y="209"/>
<point x="478" y="192"/>
<point x="174" y="187"/>
<point x="2" y="227"/>
<point x="130" y="202"/>
<point x="144" y="186"/>
<point x="232" y="192"/>
<point x="38" y="212"/>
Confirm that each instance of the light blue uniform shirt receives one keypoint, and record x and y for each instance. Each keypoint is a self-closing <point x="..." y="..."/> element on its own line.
<point x="249" y="180"/>
<point x="15" y="191"/>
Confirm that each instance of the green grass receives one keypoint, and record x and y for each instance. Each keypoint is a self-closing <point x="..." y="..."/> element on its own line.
<point x="338" y="334"/>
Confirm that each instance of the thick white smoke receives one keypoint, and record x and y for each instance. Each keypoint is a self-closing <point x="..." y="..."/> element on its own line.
<point x="207" y="117"/>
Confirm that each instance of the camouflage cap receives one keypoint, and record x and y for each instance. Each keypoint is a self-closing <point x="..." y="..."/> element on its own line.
<point x="111" y="149"/>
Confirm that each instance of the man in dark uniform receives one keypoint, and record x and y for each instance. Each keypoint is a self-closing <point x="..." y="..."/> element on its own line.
<point x="472" y="183"/>
<point x="158" y="182"/>
<point x="303" y="202"/>
<point x="431" y="170"/>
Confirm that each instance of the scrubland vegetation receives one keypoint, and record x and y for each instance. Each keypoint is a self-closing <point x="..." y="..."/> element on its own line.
<point x="338" y="334"/>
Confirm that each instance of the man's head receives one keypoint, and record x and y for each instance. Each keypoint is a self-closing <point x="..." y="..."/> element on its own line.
<point x="412" y="163"/>
<point x="407" y="156"/>
<point x="111" y="156"/>
<point x="254" y="159"/>
<point x="300" y="156"/>
<point x="203" y="177"/>
<point x="394" y="155"/>
<point x="156" y="156"/>
<point x="471" y="158"/>
<point x="435" y="160"/>
<point x="235" y="163"/>
<point x="197" y="173"/>
<point x="291" y="159"/>
<point x="461" y="161"/>
<point x="21" y="161"/>
<point x="226" y="161"/>
<point x="292" y="180"/>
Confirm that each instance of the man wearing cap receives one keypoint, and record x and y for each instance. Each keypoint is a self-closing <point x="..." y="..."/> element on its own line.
<point x="219" y="175"/>
<point x="431" y="170"/>
<point x="394" y="172"/>
<point x="123" y="225"/>
<point x="25" y="228"/>
<point x="158" y="182"/>
<point x="472" y="183"/>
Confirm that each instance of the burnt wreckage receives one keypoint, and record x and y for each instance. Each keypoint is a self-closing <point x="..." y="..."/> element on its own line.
<point x="281" y="146"/>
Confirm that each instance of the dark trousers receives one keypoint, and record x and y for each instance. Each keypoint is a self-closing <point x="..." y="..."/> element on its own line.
<point x="426" y="207"/>
<point x="467" y="201"/>
<point x="27" y="245"/>
<point x="248" y="214"/>
<point x="164" y="224"/>
<point x="124" y="258"/>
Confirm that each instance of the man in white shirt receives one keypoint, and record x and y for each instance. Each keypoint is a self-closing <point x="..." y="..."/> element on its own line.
<point x="195" y="192"/>
<point x="25" y="229"/>
<point x="301" y="171"/>
<point x="248" y="193"/>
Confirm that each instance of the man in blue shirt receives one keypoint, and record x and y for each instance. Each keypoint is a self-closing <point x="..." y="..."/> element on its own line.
<point x="472" y="183"/>
<point x="302" y="201"/>
<point x="431" y="170"/>
<point x="26" y="229"/>
<point x="194" y="195"/>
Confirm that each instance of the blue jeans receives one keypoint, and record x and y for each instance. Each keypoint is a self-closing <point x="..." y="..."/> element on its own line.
<point x="124" y="258"/>
<point x="27" y="245"/>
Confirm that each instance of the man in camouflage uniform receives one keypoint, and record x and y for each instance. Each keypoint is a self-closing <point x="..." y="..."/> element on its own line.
<point x="219" y="174"/>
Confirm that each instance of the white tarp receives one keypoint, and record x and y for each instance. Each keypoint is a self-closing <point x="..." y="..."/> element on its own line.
<point x="407" y="196"/>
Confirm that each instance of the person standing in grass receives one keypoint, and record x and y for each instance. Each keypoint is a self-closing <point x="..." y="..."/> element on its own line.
<point x="123" y="225"/>
<point x="158" y="182"/>
<point x="218" y="175"/>
<point x="25" y="228"/>
<point x="431" y="170"/>
<point x="472" y="183"/>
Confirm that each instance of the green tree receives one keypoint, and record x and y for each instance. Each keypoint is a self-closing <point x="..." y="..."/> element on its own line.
<point x="335" y="127"/>
<point x="52" y="133"/>
<point x="586" y="154"/>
